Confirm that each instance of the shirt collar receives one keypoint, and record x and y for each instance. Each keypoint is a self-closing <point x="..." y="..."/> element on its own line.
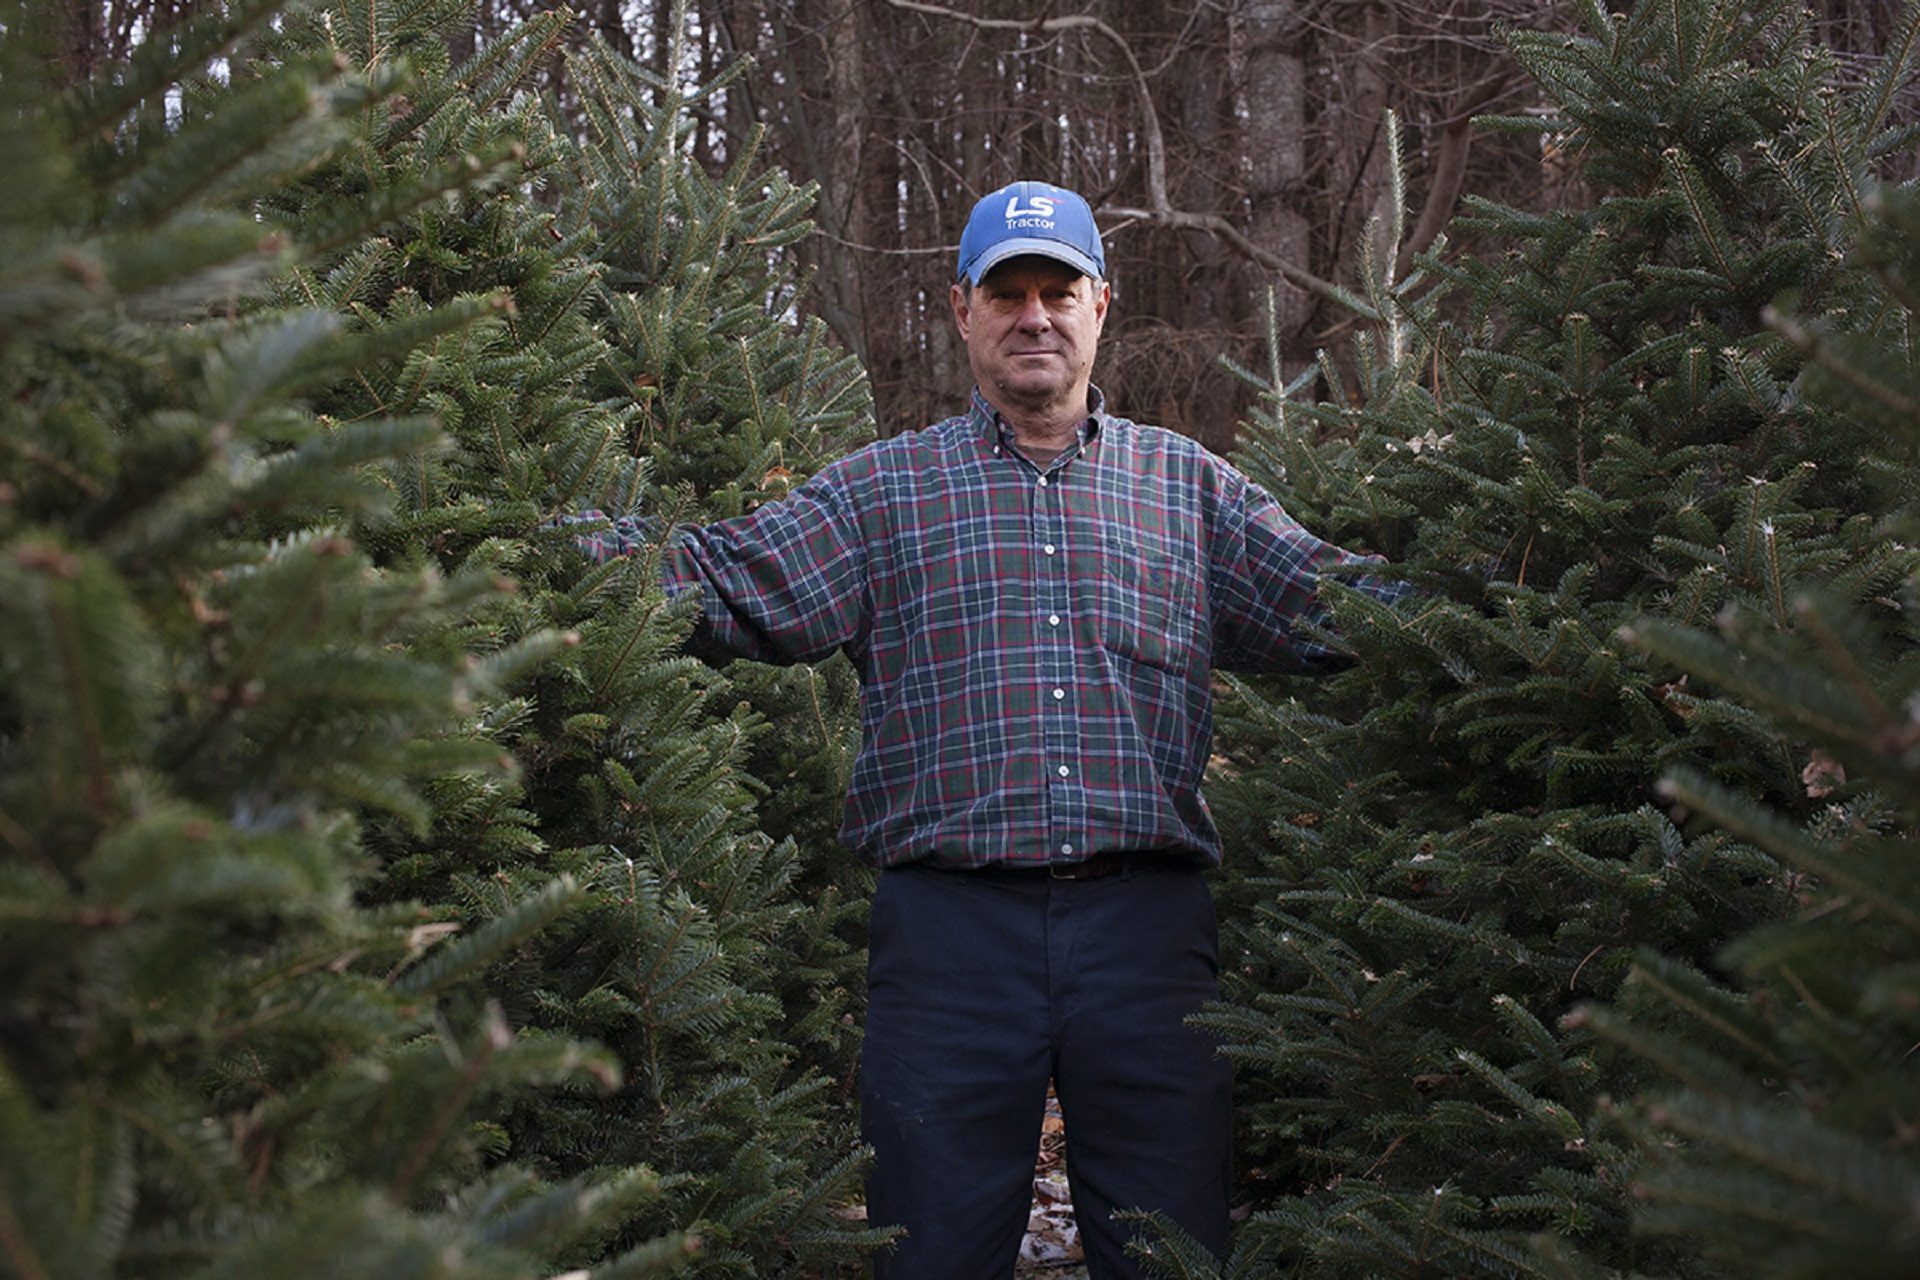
<point x="987" y="425"/>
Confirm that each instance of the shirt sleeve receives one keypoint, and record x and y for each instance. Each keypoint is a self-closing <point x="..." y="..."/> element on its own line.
<point x="609" y="537"/>
<point x="1266" y="571"/>
<point x="786" y="583"/>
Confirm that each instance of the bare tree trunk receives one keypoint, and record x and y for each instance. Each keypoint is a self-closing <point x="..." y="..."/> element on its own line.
<point x="1275" y="146"/>
<point x="464" y="38"/>
<point x="1184" y="299"/>
<point x="85" y="36"/>
<point x="880" y="190"/>
<point x="1356" y="159"/>
<point x="79" y="47"/>
<point x="848" y="43"/>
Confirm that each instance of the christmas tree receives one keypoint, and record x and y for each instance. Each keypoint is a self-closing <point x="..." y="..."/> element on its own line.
<point x="1779" y="1139"/>
<point x="214" y="1059"/>
<point x="650" y="361"/>
<point x="304" y="362"/>
<point x="1444" y="850"/>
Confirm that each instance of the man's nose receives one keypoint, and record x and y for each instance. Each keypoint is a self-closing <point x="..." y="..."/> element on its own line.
<point x="1033" y="313"/>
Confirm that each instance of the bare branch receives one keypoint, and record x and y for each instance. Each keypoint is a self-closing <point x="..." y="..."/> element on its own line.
<point x="1214" y="224"/>
<point x="1450" y="167"/>
<point x="1160" y="210"/>
<point x="1150" y="125"/>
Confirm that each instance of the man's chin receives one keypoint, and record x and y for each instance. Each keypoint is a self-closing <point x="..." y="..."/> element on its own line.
<point x="1034" y="393"/>
<point x="1050" y="400"/>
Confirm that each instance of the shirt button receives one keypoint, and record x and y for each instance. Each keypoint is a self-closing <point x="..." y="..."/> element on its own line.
<point x="1043" y="482"/>
<point x="1048" y="548"/>
<point x="1066" y="848"/>
<point x="1059" y="694"/>
<point x="1053" y="619"/>
<point x="1064" y="771"/>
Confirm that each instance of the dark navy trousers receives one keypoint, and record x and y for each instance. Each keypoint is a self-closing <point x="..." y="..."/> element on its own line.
<point x="983" y="986"/>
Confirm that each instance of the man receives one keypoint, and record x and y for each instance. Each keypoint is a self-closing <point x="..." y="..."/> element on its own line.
<point x="1035" y="595"/>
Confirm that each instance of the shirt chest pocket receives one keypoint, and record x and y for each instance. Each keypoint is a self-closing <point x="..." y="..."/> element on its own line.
<point x="1151" y="608"/>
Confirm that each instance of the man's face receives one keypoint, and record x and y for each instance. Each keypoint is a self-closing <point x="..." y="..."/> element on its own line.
<point x="1031" y="327"/>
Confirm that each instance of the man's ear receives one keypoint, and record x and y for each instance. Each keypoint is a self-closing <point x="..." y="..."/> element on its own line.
<point x="1101" y="297"/>
<point x="961" y="296"/>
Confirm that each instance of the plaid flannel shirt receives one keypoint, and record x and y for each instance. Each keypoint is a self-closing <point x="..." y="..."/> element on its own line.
<point x="1035" y="646"/>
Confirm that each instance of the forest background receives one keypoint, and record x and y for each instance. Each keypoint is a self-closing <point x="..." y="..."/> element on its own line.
<point x="1229" y="146"/>
<point x="385" y="893"/>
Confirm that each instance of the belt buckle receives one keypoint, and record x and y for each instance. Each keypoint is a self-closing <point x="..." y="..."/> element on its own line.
<point x="1063" y="871"/>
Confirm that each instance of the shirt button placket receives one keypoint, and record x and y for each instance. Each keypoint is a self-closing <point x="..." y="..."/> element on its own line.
<point x="1057" y="664"/>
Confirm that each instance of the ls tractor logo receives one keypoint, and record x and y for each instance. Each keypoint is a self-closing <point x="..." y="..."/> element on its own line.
<point x="1038" y="207"/>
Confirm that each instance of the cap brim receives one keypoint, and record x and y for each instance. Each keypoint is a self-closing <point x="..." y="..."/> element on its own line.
<point x="1054" y="249"/>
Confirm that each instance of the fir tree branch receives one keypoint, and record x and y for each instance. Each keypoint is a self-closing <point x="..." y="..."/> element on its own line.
<point x="1817" y="349"/>
<point x="494" y="1037"/>
<point x="626" y="651"/>
<point x="1763" y="829"/>
<point x="564" y="503"/>
<point x="1896" y="64"/>
<point x="1660" y="978"/>
<point x="1890" y="727"/>
<point x="231" y="695"/>
<point x="86" y="712"/>
<point x="59" y="466"/>
<point x="359" y="373"/>
<point x="1848" y="169"/>
<point x="26" y="846"/>
<point x="19" y="1250"/>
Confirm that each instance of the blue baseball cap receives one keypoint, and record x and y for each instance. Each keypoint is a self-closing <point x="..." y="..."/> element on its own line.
<point x="1031" y="217"/>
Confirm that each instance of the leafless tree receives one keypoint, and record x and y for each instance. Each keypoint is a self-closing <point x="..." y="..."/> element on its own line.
<point x="1231" y="147"/>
